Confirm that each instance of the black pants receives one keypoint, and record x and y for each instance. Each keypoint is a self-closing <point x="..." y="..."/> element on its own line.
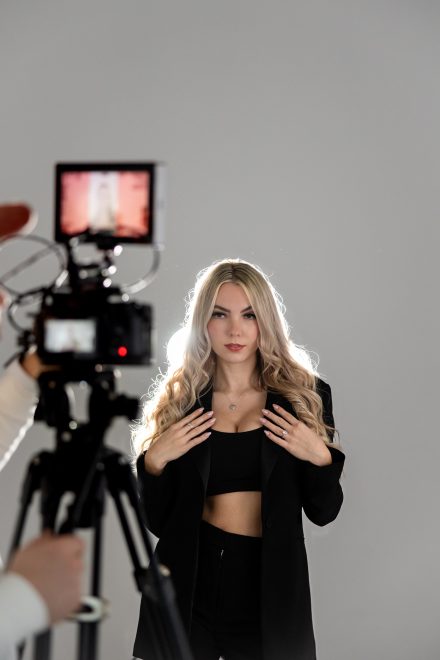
<point x="226" y="612"/>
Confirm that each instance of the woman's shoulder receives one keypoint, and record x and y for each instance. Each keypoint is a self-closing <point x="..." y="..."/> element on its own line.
<point x="322" y="386"/>
<point x="278" y="398"/>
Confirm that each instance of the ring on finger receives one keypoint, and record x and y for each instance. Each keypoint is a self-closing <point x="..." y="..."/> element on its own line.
<point x="284" y="433"/>
<point x="190" y="426"/>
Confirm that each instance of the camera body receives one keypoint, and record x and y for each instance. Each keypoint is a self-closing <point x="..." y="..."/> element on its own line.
<point x="93" y="326"/>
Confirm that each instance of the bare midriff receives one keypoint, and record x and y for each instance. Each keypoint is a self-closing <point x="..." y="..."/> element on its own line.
<point x="237" y="513"/>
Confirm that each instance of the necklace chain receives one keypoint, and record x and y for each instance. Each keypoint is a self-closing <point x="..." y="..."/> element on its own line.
<point x="233" y="405"/>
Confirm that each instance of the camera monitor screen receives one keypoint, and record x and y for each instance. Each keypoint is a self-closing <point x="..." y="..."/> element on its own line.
<point x="116" y="202"/>
<point x="70" y="335"/>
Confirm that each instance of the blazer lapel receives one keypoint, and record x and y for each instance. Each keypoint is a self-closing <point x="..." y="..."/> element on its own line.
<point x="201" y="454"/>
<point x="269" y="450"/>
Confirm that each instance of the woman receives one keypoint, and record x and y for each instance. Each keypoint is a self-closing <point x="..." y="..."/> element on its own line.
<point x="238" y="443"/>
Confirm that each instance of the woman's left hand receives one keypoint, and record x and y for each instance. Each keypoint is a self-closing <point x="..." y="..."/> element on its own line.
<point x="295" y="437"/>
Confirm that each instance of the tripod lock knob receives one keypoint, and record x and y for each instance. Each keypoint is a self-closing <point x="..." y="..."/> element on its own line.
<point x="92" y="609"/>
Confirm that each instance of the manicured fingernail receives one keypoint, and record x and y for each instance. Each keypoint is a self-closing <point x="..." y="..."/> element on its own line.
<point x="266" y="431"/>
<point x="275" y="406"/>
<point x="211" y="412"/>
<point x="265" y="411"/>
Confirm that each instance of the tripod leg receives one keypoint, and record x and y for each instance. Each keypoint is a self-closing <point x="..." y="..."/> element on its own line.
<point x="88" y="631"/>
<point x="31" y="483"/>
<point x="159" y="585"/>
<point x="43" y="645"/>
<point x="157" y="631"/>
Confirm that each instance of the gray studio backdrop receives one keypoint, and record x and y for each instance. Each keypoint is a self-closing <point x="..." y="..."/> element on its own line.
<point x="302" y="136"/>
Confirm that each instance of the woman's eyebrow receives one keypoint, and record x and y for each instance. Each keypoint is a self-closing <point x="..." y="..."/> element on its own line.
<point x="225" y="309"/>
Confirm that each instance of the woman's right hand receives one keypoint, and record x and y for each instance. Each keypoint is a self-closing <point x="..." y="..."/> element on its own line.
<point x="178" y="439"/>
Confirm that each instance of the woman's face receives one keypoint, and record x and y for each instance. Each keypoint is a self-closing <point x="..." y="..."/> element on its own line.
<point x="233" y="328"/>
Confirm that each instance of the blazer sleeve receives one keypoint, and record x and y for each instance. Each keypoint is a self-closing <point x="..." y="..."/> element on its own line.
<point x="321" y="491"/>
<point x="157" y="494"/>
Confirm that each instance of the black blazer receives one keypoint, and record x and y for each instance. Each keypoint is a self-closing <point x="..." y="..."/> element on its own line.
<point x="174" y="505"/>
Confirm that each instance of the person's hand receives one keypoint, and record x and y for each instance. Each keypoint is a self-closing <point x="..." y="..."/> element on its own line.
<point x="3" y="304"/>
<point x="54" y="566"/>
<point x="32" y="364"/>
<point x="295" y="437"/>
<point x="178" y="439"/>
<point x="14" y="218"/>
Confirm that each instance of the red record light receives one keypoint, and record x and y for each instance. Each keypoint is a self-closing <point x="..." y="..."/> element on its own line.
<point x="122" y="351"/>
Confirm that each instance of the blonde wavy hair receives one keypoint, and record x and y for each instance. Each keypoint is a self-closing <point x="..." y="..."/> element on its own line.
<point x="282" y="365"/>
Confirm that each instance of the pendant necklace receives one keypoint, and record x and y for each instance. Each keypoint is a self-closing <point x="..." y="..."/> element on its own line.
<point x="232" y="406"/>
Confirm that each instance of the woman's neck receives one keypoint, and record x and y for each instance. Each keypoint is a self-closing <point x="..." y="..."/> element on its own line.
<point x="235" y="378"/>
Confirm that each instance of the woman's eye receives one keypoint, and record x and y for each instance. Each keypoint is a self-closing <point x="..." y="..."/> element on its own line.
<point x="250" y="315"/>
<point x="217" y="315"/>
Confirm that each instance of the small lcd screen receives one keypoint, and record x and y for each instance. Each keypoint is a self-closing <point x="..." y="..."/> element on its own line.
<point x="70" y="336"/>
<point x="113" y="203"/>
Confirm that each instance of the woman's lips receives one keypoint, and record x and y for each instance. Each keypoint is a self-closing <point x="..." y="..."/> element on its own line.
<point x="234" y="347"/>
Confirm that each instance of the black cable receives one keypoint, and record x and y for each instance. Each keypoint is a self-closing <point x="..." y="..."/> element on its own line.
<point x="49" y="246"/>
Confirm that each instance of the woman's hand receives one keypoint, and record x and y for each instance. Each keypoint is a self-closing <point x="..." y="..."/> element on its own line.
<point x="178" y="439"/>
<point x="295" y="437"/>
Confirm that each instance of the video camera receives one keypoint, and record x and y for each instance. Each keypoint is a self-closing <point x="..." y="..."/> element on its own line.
<point x="88" y="320"/>
<point x="84" y="326"/>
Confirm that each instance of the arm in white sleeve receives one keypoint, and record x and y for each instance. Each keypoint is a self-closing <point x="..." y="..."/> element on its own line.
<point x="23" y="612"/>
<point x="18" y="400"/>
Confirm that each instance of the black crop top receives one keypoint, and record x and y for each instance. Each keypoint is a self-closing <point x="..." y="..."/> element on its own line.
<point x="235" y="461"/>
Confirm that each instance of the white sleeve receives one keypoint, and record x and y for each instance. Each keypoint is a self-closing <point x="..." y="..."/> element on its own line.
<point x="18" y="400"/>
<point x="23" y="612"/>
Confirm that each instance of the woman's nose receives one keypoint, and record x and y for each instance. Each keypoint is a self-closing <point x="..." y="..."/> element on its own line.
<point x="234" y="328"/>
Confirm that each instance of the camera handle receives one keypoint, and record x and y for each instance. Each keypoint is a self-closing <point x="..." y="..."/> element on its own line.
<point x="83" y="465"/>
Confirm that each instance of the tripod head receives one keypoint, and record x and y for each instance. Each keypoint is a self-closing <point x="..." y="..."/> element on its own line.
<point x="79" y="445"/>
<point x="56" y="401"/>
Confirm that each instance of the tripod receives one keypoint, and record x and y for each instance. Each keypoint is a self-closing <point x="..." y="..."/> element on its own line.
<point x="83" y="465"/>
